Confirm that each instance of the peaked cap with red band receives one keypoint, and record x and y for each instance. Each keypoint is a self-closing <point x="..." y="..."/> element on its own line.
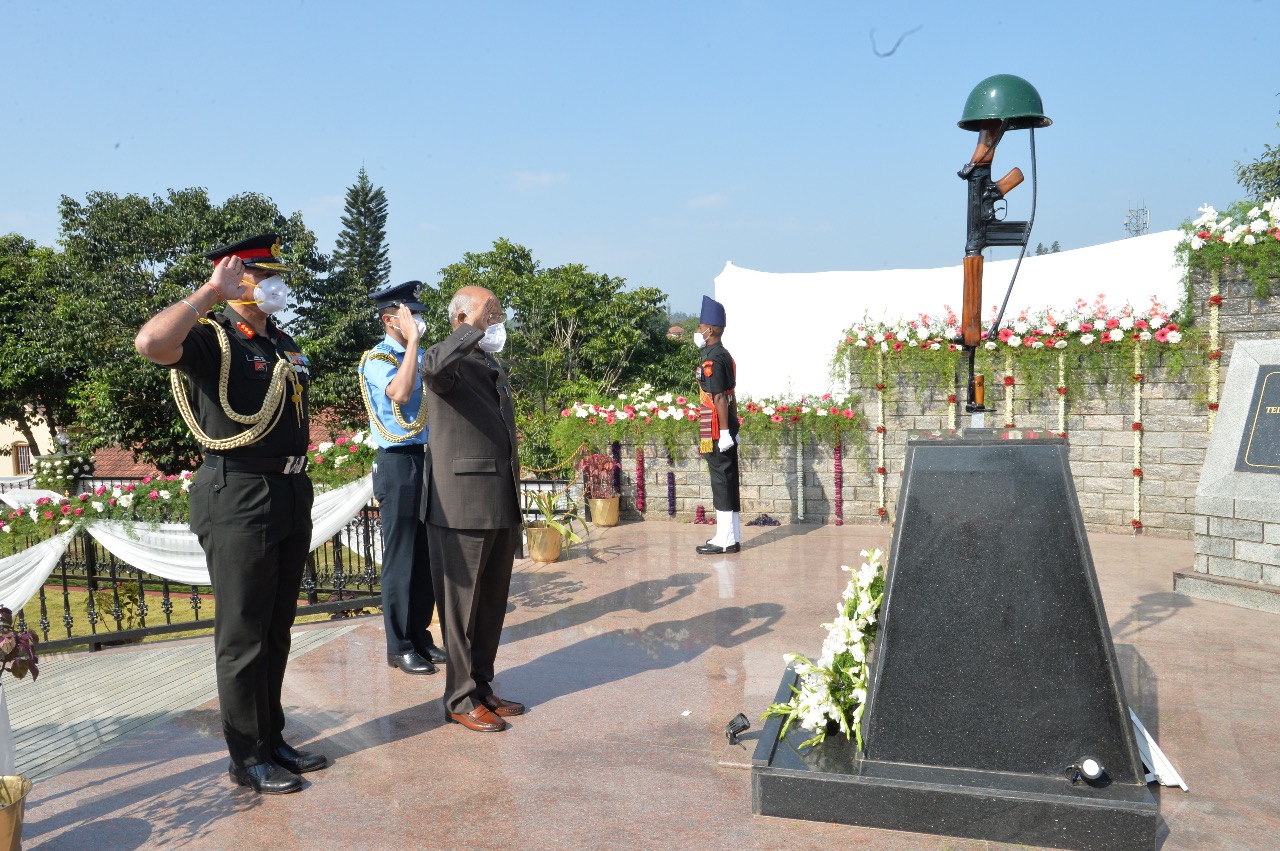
<point x="260" y="252"/>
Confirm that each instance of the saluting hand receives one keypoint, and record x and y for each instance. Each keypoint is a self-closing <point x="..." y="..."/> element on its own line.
<point x="227" y="279"/>
<point x="408" y="326"/>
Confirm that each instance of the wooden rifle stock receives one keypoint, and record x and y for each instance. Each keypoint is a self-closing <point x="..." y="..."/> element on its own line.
<point x="971" y="310"/>
<point x="1009" y="182"/>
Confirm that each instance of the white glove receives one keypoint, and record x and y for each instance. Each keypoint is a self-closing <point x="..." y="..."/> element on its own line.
<point x="726" y="441"/>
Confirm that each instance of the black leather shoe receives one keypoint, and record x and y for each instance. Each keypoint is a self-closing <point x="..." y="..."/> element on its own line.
<point x="411" y="663"/>
<point x="265" y="778"/>
<point x="299" y="762"/>
<point x="436" y="655"/>
<point x="713" y="549"/>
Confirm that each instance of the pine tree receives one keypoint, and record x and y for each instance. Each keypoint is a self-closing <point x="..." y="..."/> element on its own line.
<point x="361" y="251"/>
<point x="337" y="318"/>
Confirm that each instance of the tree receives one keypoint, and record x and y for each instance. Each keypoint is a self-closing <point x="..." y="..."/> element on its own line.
<point x="574" y="333"/>
<point x="361" y="249"/>
<point x="34" y="372"/>
<point x="337" y="321"/>
<point x="1261" y="178"/>
<point x="125" y="258"/>
<point x="1052" y="249"/>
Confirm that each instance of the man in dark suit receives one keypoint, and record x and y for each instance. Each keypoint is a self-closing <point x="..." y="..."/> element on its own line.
<point x="470" y="482"/>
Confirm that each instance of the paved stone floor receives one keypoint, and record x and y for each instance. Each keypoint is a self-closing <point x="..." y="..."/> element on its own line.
<point x="632" y="656"/>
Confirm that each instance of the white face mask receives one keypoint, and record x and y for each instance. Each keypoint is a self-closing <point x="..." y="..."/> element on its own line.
<point x="271" y="295"/>
<point x="699" y="340"/>
<point x="494" y="338"/>
<point x="417" y="320"/>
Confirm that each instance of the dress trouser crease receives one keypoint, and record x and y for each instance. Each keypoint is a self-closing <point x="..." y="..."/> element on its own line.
<point x="408" y="598"/>
<point x="471" y="570"/>
<point x="722" y="464"/>
<point x="255" y="530"/>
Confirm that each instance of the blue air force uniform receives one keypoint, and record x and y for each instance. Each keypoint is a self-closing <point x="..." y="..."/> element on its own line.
<point x="400" y="432"/>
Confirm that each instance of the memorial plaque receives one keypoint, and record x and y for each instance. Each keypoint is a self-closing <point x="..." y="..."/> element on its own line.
<point x="1260" y="441"/>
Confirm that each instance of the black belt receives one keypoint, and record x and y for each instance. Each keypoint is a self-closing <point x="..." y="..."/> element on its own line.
<point x="405" y="449"/>
<point x="285" y="464"/>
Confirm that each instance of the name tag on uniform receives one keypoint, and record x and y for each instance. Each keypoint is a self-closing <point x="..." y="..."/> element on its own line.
<point x="257" y="363"/>
<point x="301" y="363"/>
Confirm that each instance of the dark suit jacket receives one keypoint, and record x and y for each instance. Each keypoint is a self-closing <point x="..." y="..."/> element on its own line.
<point x="473" y="465"/>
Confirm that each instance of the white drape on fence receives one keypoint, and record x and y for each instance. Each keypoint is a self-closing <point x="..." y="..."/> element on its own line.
<point x="21" y="575"/>
<point x="167" y="550"/>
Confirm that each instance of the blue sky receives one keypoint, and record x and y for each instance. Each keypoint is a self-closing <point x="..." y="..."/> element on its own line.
<point x="652" y="141"/>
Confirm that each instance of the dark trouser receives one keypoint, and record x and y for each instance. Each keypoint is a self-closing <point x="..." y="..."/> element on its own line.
<point x="723" y="466"/>
<point x="255" y="530"/>
<point x="407" y="595"/>
<point x="472" y="573"/>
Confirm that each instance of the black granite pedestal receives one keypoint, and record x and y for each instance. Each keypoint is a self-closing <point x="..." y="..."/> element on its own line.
<point x="993" y="671"/>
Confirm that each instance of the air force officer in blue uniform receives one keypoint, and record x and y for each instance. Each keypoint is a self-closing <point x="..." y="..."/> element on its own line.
<point x="392" y="392"/>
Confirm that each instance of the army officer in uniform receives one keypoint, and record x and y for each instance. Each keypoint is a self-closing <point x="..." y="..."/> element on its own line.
<point x="241" y="386"/>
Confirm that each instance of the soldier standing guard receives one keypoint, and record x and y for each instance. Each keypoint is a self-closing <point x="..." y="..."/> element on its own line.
<point x="244" y="399"/>
<point x="392" y="390"/>
<point x="718" y="427"/>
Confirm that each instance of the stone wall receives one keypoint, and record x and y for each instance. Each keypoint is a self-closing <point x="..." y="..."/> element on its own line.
<point x="1099" y="429"/>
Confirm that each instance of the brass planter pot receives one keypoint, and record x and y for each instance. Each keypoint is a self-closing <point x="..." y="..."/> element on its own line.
<point x="604" y="512"/>
<point x="545" y="543"/>
<point x="13" y="794"/>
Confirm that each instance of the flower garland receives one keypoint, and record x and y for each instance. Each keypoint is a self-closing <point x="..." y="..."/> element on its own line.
<point x="833" y="690"/>
<point x="617" y="466"/>
<point x="1137" y="439"/>
<point x="671" y="486"/>
<point x="640" y="479"/>
<point x="164" y="498"/>
<point x="643" y="416"/>
<point x="1215" y="352"/>
<point x="1062" y="395"/>
<point x="838" y="463"/>
<point x="1008" y="391"/>
<point x="881" y="472"/>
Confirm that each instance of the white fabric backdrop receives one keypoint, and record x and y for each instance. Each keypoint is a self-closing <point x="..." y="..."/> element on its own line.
<point x="167" y="550"/>
<point x="775" y="357"/>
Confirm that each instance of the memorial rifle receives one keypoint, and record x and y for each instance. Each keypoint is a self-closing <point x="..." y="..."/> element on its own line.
<point x="997" y="104"/>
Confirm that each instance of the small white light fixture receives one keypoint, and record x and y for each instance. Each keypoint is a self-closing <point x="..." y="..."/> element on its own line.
<point x="1090" y="768"/>
<point x="1087" y="768"/>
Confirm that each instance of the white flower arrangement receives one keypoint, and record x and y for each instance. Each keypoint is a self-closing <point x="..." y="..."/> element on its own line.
<point x="55" y="472"/>
<point x="833" y="690"/>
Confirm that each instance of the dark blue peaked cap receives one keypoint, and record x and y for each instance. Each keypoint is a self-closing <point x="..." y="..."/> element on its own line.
<point x="712" y="312"/>
<point x="394" y="295"/>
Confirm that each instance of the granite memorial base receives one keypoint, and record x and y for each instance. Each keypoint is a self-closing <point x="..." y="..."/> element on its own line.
<point x="993" y="672"/>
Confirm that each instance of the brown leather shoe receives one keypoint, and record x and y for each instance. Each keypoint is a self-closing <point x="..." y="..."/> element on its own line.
<point x="502" y="707"/>
<point x="479" y="719"/>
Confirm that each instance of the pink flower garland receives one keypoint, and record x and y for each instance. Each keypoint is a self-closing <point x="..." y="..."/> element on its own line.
<point x="640" y="480"/>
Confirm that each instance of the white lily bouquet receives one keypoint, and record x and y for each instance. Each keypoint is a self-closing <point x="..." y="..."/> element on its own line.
<point x="833" y="690"/>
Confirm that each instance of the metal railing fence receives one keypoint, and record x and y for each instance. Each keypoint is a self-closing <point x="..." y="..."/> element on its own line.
<point x="123" y="604"/>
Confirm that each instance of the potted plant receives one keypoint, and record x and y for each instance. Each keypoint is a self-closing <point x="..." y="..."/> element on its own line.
<point x="598" y="484"/>
<point x="18" y="656"/>
<point x="554" y="527"/>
